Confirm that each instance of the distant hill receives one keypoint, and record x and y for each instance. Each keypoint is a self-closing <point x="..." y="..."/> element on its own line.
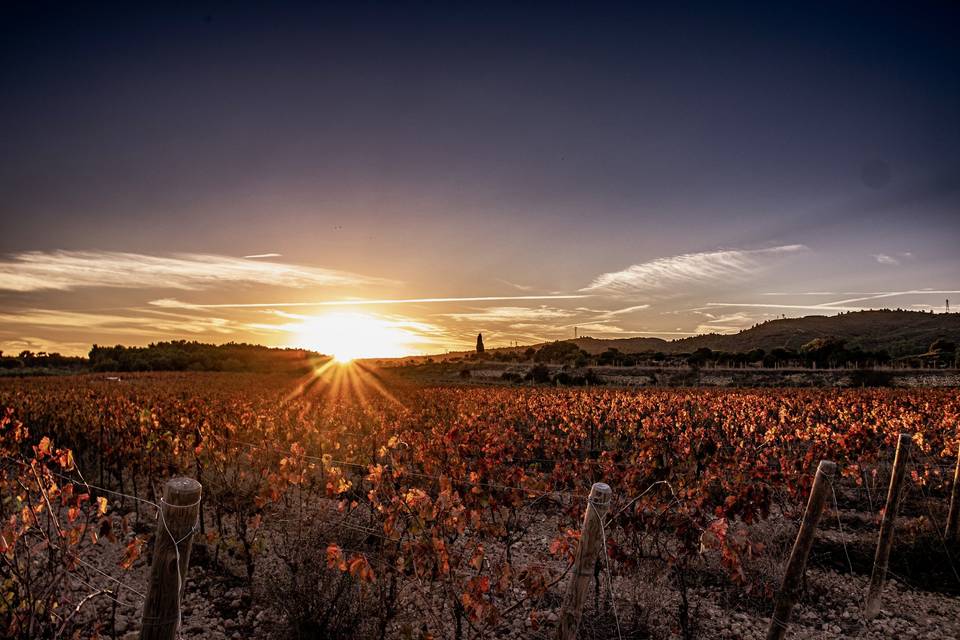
<point x="899" y="333"/>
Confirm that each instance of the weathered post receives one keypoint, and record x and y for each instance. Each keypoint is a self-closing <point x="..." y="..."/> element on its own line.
<point x="176" y="524"/>
<point x="793" y="577"/>
<point x="591" y="539"/>
<point x="885" y="541"/>
<point x="952" y="534"/>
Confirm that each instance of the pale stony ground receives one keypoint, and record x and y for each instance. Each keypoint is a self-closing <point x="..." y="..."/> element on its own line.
<point x="218" y="611"/>
<point x="221" y="607"/>
<point x="906" y="613"/>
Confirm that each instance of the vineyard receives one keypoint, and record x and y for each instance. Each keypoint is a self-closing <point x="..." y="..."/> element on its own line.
<point x="357" y="506"/>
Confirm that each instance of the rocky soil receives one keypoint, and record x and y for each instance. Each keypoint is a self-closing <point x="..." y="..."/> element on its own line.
<point x="221" y="607"/>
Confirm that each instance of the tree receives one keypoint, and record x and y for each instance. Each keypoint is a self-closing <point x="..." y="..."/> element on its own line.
<point x="942" y="345"/>
<point x="539" y="374"/>
<point x="558" y="352"/>
<point x="479" y="343"/>
<point x="827" y="351"/>
<point x="700" y="357"/>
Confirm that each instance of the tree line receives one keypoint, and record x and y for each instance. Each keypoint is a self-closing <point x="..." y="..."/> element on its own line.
<point x="819" y="353"/>
<point x="175" y="355"/>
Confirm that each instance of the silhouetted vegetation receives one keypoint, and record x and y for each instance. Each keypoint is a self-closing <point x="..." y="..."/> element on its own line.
<point x="539" y="374"/>
<point x="559" y="353"/>
<point x="870" y="378"/>
<point x="39" y="362"/>
<point x="180" y="355"/>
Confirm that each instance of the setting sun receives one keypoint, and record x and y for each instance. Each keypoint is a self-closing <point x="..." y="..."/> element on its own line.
<point x="347" y="336"/>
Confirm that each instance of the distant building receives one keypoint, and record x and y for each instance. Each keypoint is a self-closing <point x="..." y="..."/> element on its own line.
<point x="479" y="343"/>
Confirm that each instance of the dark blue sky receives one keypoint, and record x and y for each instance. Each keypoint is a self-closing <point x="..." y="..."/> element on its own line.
<point x="541" y="144"/>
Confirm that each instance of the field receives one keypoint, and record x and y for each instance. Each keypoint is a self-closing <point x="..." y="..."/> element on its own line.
<point x="355" y="505"/>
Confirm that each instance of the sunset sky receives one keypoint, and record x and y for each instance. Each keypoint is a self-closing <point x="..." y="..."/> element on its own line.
<point x="416" y="173"/>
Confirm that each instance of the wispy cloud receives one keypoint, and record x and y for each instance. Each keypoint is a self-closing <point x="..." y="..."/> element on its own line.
<point x="878" y="295"/>
<point x="731" y="318"/>
<point x="174" y="303"/>
<point x="803" y="293"/>
<point x="705" y="267"/>
<point x="548" y="322"/>
<point x="610" y="313"/>
<point x="121" y="324"/>
<point x="595" y="328"/>
<point x="799" y="307"/>
<point x="511" y="314"/>
<point x="847" y="304"/>
<point x="257" y="256"/>
<point x="521" y="287"/>
<point x="67" y="270"/>
<point x="717" y="328"/>
<point x="588" y="330"/>
<point x="724" y="323"/>
<point x="636" y="307"/>
<point x="893" y="260"/>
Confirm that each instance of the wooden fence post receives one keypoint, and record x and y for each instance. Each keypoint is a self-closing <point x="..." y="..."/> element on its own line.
<point x="591" y="540"/>
<point x="885" y="541"/>
<point x="176" y="524"/>
<point x="793" y="577"/>
<point x="952" y="533"/>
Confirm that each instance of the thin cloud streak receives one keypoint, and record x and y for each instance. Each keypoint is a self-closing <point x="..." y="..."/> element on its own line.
<point x="636" y="307"/>
<point x="173" y="303"/>
<point x="764" y="305"/>
<point x="886" y="294"/>
<point x="510" y="314"/>
<point x="704" y="267"/>
<point x="68" y="270"/>
<point x="120" y="324"/>
<point x="810" y="293"/>
<point x="257" y="256"/>
<point x="892" y="260"/>
<point x="835" y="305"/>
<point x="521" y="287"/>
<point x="609" y="313"/>
<point x="717" y="328"/>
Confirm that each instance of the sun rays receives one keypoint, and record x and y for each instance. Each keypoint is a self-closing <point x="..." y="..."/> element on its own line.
<point x="335" y="380"/>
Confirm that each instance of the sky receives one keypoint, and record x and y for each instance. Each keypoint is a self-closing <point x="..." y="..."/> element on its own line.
<point x="401" y="176"/>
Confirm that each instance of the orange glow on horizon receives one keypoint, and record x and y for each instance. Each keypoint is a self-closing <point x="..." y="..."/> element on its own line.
<point x="351" y="336"/>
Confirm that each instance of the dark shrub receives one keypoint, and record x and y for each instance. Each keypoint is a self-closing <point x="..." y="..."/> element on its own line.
<point x="870" y="378"/>
<point x="308" y="600"/>
<point x="539" y="374"/>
